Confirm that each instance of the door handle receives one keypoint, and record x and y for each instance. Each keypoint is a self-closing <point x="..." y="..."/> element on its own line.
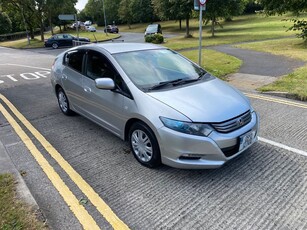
<point x="87" y="89"/>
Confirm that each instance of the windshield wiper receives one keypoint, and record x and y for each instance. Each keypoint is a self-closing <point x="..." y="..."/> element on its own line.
<point x="164" y="83"/>
<point x="185" y="81"/>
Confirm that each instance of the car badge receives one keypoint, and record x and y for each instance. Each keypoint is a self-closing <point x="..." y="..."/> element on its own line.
<point x="240" y="122"/>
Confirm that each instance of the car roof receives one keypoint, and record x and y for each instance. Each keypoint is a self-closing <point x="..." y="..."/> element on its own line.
<point x="122" y="47"/>
<point x="153" y="25"/>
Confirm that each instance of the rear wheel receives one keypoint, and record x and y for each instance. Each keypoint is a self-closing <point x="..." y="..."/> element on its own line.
<point x="63" y="102"/>
<point x="144" y="145"/>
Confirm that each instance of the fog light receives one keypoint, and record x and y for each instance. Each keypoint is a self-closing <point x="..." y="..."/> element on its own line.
<point x="191" y="156"/>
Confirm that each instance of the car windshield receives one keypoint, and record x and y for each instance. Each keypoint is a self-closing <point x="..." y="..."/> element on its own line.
<point x="152" y="29"/>
<point x="152" y="69"/>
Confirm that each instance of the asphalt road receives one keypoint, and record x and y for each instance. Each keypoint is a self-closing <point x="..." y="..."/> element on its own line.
<point x="265" y="188"/>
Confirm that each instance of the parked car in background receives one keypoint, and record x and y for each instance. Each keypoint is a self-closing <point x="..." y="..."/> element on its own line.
<point x="153" y="29"/>
<point x="75" y="24"/>
<point x="87" y="23"/>
<point x="90" y="28"/>
<point x="111" y="29"/>
<point x="63" y="40"/>
<point x="171" y="110"/>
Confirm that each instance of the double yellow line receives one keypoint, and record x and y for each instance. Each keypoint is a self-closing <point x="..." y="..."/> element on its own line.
<point x="280" y="101"/>
<point x="85" y="219"/>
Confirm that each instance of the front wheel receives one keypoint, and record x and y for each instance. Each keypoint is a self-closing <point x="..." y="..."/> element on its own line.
<point x="144" y="145"/>
<point x="63" y="102"/>
<point x="55" y="45"/>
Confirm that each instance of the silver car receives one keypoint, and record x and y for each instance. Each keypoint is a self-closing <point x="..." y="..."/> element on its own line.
<point x="169" y="109"/>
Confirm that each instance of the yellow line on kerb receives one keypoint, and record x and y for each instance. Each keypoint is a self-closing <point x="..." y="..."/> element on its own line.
<point x="80" y="212"/>
<point x="95" y="199"/>
<point x="280" y="101"/>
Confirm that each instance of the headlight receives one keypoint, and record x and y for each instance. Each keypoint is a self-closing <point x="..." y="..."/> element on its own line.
<point x="198" y="129"/>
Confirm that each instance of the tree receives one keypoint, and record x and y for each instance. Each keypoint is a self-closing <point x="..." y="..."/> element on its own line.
<point x="125" y="12"/>
<point x="283" y="6"/>
<point x="222" y="9"/>
<point x="5" y="23"/>
<point x="94" y="10"/>
<point x="272" y="7"/>
<point x="174" y="9"/>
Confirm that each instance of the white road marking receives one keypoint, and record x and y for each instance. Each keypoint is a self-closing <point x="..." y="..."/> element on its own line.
<point x="33" y="67"/>
<point x="282" y="146"/>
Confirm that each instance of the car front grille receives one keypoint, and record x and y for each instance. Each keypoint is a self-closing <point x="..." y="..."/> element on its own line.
<point x="233" y="124"/>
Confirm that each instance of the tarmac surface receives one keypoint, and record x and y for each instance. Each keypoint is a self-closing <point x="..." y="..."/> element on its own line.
<point x="258" y="69"/>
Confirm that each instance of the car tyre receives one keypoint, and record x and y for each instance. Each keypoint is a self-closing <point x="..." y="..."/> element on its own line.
<point x="64" y="103"/>
<point x="144" y="145"/>
<point x="55" y="45"/>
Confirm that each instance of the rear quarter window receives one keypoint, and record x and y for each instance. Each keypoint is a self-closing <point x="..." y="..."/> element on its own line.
<point x="74" y="60"/>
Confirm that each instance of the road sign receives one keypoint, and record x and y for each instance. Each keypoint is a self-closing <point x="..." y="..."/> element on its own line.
<point x="197" y="5"/>
<point x="202" y="2"/>
<point x="67" y="17"/>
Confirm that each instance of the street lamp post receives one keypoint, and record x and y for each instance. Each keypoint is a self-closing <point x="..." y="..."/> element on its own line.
<point x="105" y="19"/>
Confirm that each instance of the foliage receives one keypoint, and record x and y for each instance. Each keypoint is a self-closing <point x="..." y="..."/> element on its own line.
<point x="300" y="25"/>
<point x="5" y="23"/>
<point x="125" y="12"/>
<point x="32" y="14"/>
<point x="174" y="9"/>
<point x="134" y="11"/>
<point x="222" y="9"/>
<point x="154" y="38"/>
<point x="283" y="6"/>
<point x="295" y="6"/>
<point x="252" y="7"/>
<point x="13" y="213"/>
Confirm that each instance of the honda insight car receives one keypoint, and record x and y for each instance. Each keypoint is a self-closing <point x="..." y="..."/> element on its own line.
<point x="169" y="109"/>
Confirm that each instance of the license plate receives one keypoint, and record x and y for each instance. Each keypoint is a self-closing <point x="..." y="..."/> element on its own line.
<point x="246" y="140"/>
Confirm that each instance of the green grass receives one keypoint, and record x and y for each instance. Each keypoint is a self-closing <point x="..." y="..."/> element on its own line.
<point x="217" y="63"/>
<point x="294" y="83"/>
<point x="13" y="213"/>
<point x="241" y="29"/>
<point x="37" y="43"/>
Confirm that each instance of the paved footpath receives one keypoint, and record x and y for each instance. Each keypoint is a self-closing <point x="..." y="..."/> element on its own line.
<point x="258" y="68"/>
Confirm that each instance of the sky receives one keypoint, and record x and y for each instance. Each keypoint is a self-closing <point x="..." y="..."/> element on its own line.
<point x="81" y="4"/>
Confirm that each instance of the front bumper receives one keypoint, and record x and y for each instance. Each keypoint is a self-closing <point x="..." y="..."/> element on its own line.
<point x="181" y="150"/>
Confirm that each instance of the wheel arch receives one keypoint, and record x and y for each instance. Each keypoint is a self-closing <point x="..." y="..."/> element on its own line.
<point x="131" y="121"/>
<point x="56" y="88"/>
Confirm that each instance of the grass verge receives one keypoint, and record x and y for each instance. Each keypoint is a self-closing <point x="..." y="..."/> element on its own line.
<point x="217" y="63"/>
<point x="240" y="29"/>
<point x="294" y="83"/>
<point x="14" y="214"/>
<point x="37" y="43"/>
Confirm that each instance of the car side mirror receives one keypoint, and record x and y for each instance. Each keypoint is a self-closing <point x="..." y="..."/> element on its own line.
<point x="105" y="83"/>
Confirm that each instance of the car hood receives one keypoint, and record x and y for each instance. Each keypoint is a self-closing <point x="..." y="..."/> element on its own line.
<point x="210" y="101"/>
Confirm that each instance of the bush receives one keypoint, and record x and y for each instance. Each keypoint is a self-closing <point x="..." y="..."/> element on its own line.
<point x="154" y="38"/>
